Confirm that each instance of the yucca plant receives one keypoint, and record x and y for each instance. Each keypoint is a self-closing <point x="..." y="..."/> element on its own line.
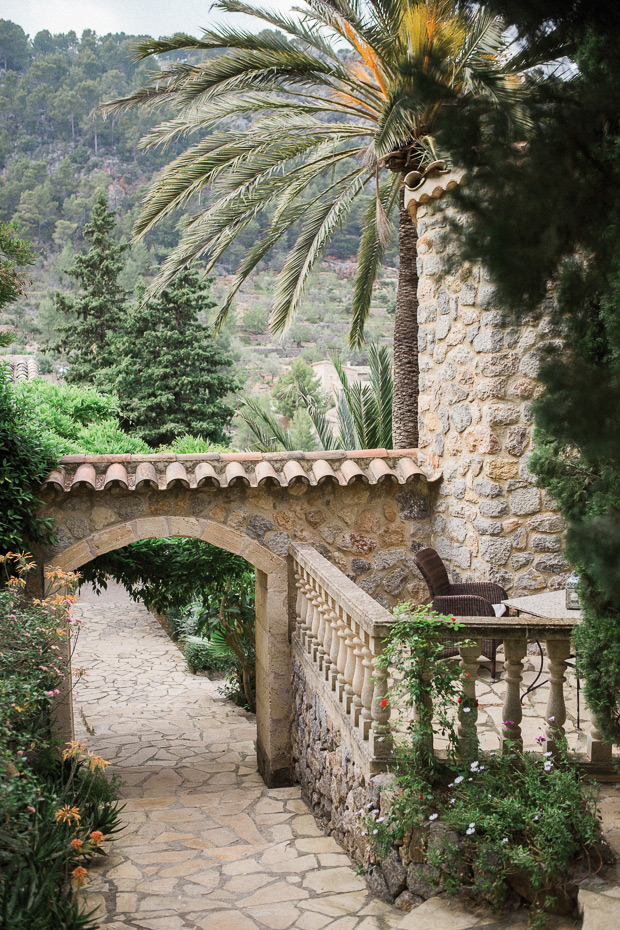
<point x="364" y="412"/>
<point x="346" y="95"/>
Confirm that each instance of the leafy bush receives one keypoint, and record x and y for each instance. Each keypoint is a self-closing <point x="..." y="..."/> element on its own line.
<point x="222" y="625"/>
<point x="54" y="813"/>
<point x="78" y="418"/>
<point x="202" y="655"/>
<point x="26" y="456"/>
<point x="517" y="815"/>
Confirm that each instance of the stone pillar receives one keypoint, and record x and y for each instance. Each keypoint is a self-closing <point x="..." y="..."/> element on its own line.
<point x="273" y="675"/>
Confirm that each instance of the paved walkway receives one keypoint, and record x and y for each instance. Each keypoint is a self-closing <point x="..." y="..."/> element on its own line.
<point x="206" y="844"/>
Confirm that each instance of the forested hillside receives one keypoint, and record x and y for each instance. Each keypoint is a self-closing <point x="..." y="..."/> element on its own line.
<point x="57" y="152"/>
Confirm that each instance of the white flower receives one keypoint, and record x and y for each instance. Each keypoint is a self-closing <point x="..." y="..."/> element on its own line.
<point x="452" y="800"/>
<point x="548" y="766"/>
<point x="380" y="819"/>
<point x="375" y="831"/>
<point x="363" y="833"/>
<point x="470" y="830"/>
<point x="433" y="817"/>
<point x="451" y="785"/>
<point x="551" y="719"/>
<point x="370" y="804"/>
<point x="547" y="755"/>
<point x="466" y="710"/>
<point x="505" y="840"/>
<point x="470" y="779"/>
<point x="457" y="781"/>
<point x="474" y="767"/>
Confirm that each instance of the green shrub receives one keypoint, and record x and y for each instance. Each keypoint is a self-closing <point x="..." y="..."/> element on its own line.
<point x="26" y="456"/>
<point x="202" y="655"/>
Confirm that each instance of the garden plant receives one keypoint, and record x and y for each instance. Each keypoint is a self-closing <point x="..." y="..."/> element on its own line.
<point x="56" y="805"/>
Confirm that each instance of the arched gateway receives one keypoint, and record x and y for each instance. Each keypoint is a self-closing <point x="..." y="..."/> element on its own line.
<point x="364" y="511"/>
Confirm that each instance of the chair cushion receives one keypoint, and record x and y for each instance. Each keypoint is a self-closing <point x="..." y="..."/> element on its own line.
<point x="433" y="571"/>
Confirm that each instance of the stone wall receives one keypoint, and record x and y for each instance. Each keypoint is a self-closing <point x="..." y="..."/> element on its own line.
<point x="477" y="382"/>
<point x="325" y="766"/>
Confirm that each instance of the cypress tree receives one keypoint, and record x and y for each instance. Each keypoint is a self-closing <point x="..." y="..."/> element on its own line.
<point x="170" y="376"/>
<point x="96" y="315"/>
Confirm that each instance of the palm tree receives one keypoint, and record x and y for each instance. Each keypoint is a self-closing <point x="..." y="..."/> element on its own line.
<point x="346" y="96"/>
<point x="364" y="412"/>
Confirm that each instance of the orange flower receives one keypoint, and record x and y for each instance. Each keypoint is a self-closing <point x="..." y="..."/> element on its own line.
<point x="77" y="844"/>
<point x="79" y="876"/>
<point x="74" y="749"/>
<point x="96" y="762"/>
<point x="96" y="837"/>
<point x="66" y="814"/>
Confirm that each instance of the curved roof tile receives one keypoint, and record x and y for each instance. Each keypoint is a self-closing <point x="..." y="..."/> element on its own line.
<point x="251" y="469"/>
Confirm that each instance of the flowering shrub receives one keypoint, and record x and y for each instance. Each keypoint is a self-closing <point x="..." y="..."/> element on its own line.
<point x="56" y="806"/>
<point x="485" y="826"/>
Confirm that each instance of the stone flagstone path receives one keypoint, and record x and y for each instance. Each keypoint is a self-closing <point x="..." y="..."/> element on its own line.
<point x="206" y="844"/>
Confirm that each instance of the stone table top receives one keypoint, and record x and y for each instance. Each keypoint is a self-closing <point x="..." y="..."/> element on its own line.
<point x="548" y="606"/>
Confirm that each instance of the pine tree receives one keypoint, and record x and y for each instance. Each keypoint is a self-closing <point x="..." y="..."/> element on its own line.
<point x="170" y="376"/>
<point x="96" y="316"/>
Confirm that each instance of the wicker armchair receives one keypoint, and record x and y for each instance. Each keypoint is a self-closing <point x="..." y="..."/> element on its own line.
<point x="470" y="599"/>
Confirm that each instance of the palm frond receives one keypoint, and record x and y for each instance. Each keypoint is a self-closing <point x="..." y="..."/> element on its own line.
<point x="321" y="222"/>
<point x="369" y="260"/>
<point x="269" y="434"/>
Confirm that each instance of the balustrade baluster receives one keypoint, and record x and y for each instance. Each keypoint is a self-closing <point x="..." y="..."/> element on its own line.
<point x="380" y="734"/>
<point x="558" y="651"/>
<point x="316" y="618"/>
<point x="514" y="651"/>
<point x="468" y="708"/>
<point x="598" y="751"/>
<point x="349" y="669"/>
<point x="306" y="616"/>
<point x="327" y="638"/>
<point x="342" y="657"/>
<point x="335" y="649"/>
<point x="358" y="677"/>
<point x="367" y="687"/>
<point x="322" y="609"/>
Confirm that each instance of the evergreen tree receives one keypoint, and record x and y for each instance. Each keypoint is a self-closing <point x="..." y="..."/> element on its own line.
<point x="170" y="376"/>
<point x="553" y="213"/>
<point x="96" y="316"/>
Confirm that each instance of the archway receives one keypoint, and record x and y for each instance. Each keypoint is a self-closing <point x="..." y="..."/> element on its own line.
<point x="273" y="654"/>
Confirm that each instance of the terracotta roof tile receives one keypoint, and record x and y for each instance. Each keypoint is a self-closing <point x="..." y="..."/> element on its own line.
<point x="162" y="471"/>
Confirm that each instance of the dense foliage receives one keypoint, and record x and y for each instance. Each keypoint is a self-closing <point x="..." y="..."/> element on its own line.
<point x="95" y="317"/>
<point x="26" y="455"/>
<point x="170" y="376"/>
<point x="14" y="254"/>
<point x="363" y="410"/>
<point x="76" y="418"/>
<point x="494" y="817"/>
<point x="54" y="813"/>
<point x="553" y="212"/>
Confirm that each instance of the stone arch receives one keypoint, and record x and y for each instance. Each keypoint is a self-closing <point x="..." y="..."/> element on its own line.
<point x="273" y="652"/>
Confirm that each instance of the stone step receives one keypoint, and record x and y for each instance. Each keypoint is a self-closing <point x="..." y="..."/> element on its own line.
<point x="600" y="909"/>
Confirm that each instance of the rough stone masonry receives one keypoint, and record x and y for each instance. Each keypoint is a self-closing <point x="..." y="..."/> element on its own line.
<point x="477" y="383"/>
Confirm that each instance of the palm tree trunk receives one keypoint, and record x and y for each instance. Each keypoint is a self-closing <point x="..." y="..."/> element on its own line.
<point x="406" y="370"/>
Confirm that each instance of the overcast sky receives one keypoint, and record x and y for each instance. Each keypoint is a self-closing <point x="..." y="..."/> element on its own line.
<point x="135" y="17"/>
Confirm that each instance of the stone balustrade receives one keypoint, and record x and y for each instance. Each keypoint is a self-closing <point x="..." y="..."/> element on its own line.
<point x="516" y="633"/>
<point x="339" y="633"/>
